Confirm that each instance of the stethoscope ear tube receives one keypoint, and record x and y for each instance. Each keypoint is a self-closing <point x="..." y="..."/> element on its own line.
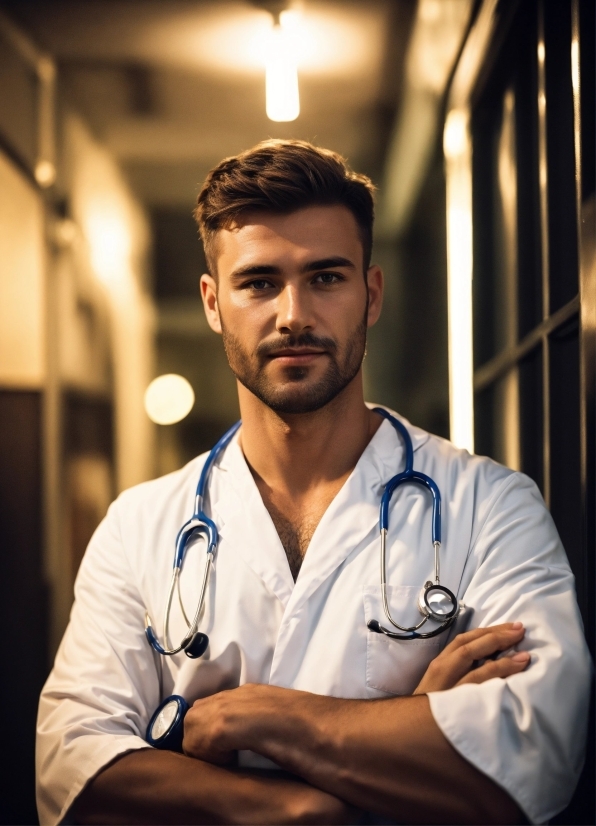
<point x="166" y="726"/>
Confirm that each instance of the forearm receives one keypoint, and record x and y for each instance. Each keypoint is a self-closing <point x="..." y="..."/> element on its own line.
<point x="151" y="786"/>
<point x="387" y="756"/>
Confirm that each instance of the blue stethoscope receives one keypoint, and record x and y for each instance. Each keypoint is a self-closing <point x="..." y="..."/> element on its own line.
<point x="435" y="601"/>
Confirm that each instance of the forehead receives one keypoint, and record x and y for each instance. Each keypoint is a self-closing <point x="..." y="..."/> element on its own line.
<point x="318" y="231"/>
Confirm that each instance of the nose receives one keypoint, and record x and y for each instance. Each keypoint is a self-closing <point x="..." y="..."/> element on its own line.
<point x="294" y="310"/>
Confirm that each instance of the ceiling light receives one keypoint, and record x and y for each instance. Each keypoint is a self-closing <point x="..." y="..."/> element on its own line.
<point x="281" y="72"/>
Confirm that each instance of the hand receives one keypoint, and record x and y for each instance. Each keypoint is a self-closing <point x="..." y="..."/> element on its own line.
<point x="217" y="726"/>
<point x="455" y="664"/>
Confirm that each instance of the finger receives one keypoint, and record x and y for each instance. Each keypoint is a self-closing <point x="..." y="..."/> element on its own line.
<point x="468" y="637"/>
<point x="478" y="633"/>
<point x="496" y="641"/>
<point x="451" y="665"/>
<point x="504" y="667"/>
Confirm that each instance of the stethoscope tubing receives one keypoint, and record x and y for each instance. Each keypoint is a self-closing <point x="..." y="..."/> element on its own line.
<point x="406" y="476"/>
<point x="194" y="643"/>
<point x="201" y="525"/>
<point x="198" y="524"/>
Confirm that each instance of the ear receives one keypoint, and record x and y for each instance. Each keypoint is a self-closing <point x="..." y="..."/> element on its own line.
<point x="374" y="282"/>
<point x="209" y="296"/>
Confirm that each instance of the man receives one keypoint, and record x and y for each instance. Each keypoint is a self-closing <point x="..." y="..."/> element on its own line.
<point x="433" y="730"/>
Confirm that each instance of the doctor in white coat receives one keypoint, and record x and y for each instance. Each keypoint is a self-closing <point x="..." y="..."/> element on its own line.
<point x="483" y="723"/>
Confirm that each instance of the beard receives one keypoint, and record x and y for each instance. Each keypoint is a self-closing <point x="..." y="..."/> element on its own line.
<point x="295" y="393"/>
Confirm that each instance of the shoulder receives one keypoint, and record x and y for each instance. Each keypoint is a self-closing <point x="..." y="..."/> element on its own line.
<point x="469" y="481"/>
<point x="502" y="508"/>
<point x="152" y="498"/>
<point x="142" y="523"/>
<point x="458" y="464"/>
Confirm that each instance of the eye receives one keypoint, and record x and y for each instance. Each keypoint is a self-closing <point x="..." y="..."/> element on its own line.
<point x="258" y="284"/>
<point x="328" y="278"/>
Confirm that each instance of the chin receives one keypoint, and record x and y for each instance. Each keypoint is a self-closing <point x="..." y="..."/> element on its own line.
<point x="298" y="400"/>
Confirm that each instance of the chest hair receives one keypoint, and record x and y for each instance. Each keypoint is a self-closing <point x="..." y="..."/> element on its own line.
<point x="295" y="536"/>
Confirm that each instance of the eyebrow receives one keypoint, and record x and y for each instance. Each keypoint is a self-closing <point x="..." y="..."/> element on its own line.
<point x="312" y="266"/>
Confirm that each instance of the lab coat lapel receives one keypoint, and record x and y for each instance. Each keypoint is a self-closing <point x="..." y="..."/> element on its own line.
<point x="351" y="521"/>
<point x="352" y="517"/>
<point x="245" y="524"/>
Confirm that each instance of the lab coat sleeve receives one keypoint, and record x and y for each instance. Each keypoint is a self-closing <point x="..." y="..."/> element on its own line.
<point x="526" y="732"/>
<point x="94" y="705"/>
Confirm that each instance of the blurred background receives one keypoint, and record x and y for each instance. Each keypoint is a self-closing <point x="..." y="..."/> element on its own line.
<point x="475" y="120"/>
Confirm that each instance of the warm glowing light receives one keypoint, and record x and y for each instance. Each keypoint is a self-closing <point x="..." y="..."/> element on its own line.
<point x="575" y="64"/>
<point x="541" y="52"/>
<point x="45" y="173"/>
<point x="328" y="42"/>
<point x="455" y="136"/>
<point x="461" y="399"/>
<point x="281" y="78"/>
<point x="435" y="42"/>
<point x="541" y="102"/>
<point x="168" y="399"/>
<point x="456" y="143"/>
<point x="109" y="241"/>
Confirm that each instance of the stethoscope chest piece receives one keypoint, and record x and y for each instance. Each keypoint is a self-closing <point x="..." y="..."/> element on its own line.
<point x="166" y="726"/>
<point x="437" y="602"/>
<point x="198" y="646"/>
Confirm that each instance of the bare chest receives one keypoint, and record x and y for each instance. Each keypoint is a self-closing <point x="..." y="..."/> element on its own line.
<point x="296" y="524"/>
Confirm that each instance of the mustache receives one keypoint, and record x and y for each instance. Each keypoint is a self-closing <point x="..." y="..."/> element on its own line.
<point x="289" y="341"/>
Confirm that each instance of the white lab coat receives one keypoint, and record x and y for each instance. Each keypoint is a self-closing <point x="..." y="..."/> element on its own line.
<point x="501" y="555"/>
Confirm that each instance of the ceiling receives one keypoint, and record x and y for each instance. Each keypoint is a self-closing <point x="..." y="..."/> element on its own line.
<point x="172" y="87"/>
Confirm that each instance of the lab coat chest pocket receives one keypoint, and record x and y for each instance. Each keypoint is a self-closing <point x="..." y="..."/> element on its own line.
<point x="396" y="666"/>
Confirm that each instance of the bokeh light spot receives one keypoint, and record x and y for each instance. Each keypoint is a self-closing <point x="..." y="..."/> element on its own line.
<point x="168" y="399"/>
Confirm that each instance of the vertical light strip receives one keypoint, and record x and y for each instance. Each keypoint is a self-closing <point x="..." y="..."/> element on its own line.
<point x="587" y="291"/>
<point x="457" y="147"/>
<point x="507" y="177"/>
<point x="575" y="82"/>
<point x="45" y="167"/>
<point x="544" y="245"/>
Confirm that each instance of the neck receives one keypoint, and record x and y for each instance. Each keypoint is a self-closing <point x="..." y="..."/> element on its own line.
<point x="296" y="453"/>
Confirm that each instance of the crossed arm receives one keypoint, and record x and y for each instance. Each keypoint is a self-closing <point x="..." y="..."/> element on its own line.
<point x="339" y="756"/>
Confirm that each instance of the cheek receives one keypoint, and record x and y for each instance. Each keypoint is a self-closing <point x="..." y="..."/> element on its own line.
<point x="344" y="313"/>
<point x="246" y="320"/>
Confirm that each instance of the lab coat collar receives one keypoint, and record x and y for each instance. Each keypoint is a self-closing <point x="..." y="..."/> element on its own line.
<point x="243" y="519"/>
<point x="350" y="518"/>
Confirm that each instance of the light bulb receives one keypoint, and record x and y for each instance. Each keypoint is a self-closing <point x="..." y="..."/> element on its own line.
<point x="281" y="77"/>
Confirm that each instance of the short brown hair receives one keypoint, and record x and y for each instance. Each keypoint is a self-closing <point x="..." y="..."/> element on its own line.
<point x="281" y="176"/>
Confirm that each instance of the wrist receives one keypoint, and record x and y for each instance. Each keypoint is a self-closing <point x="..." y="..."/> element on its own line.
<point x="297" y="732"/>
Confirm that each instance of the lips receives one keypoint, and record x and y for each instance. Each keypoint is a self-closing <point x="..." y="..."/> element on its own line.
<point x="297" y="356"/>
